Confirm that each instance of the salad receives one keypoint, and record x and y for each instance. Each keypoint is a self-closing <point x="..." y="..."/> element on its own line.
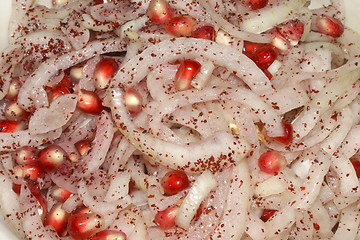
<point x="166" y="119"/>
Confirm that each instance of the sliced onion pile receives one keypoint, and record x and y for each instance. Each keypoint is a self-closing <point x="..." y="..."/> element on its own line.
<point x="156" y="119"/>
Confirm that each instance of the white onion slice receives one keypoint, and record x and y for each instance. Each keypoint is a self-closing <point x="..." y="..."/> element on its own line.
<point x="349" y="223"/>
<point x="201" y="188"/>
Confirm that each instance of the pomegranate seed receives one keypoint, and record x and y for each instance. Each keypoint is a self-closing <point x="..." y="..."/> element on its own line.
<point x="67" y="82"/>
<point x="105" y="70"/>
<point x="165" y="219"/>
<point x="356" y="165"/>
<point x="61" y="194"/>
<point x="57" y="217"/>
<point x="204" y="32"/>
<point x="7" y="126"/>
<point x="187" y="70"/>
<point x="174" y="182"/>
<point x="109" y="235"/>
<point x="288" y="137"/>
<point x="89" y="102"/>
<point x="279" y="41"/>
<point x="51" y="157"/>
<point x="24" y="155"/>
<point x="83" y="146"/>
<point x="271" y="162"/>
<point x="83" y="225"/>
<point x="293" y="30"/>
<point x="102" y="1"/>
<point x="41" y="204"/>
<point x="81" y="210"/>
<point x="329" y="26"/>
<point x="159" y="11"/>
<point x="16" y="188"/>
<point x="13" y="89"/>
<point x="265" y="57"/>
<point x="29" y="171"/>
<point x="250" y="49"/>
<point x="256" y="4"/>
<point x="268" y="74"/>
<point x="57" y="91"/>
<point x="59" y="2"/>
<point x="267" y="213"/>
<point x="180" y="26"/>
<point x="14" y="112"/>
<point x="133" y="100"/>
<point x="76" y="73"/>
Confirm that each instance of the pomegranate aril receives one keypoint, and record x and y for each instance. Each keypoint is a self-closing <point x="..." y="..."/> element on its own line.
<point x="58" y="91"/>
<point x="14" y="89"/>
<point x="265" y="57"/>
<point x="83" y="146"/>
<point x="329" y="26"/>
<point x="267" y="213"/>
<point x="61" y="194"/>
<point x="159" y="11"/>
<point x="83" y="225"/>
<point x="41" y="203"/>
<point x="204" y="32"/>
<point x="174" y="182"/>
<point x="51" y="157"/>
<point x="271" y="162"/>
<point x="89" y="102"/>
<point x="24" y="155"/>
<point x="29" y="171"/>
<point x="14" y="112"/>
<point x="187" y="70"/>
<point x="180" y="26"/>
<point x="356" y="165"/>
<point x="250" y="49"/>
<point x="76" y="73"/>
<point x="165" y="219"/>
<point x="288" y="137"/>
<point x="81" y="210"/>
<point x="58" y="218"/>
<point x="7" y="126"/>
<point x="293" y="30"/>
<point x="102" y="1"/>
<point x="256" y="4"/>
<point x="67" y="82"/>
<point x="133" y="100"/>
<point x="105" y="70"/>
<point x="279" y="41"/>
<point x="109" y="235"/>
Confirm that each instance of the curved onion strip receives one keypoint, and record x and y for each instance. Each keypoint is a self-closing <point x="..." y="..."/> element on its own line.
<point x="232" y="29"/>
<point x="349" y="223"/>
<point x="281" y="221"/>
<point x="212" y="153"/>
<point x="351" y="144"/>
<point x="119" y="187"/>
<point x="167" y="51"/>
<point x="33" y="87"/>
<point x="233" y="222"/>
<point x="322" y="218"/>
<point x="304" y="225"/>
<point x="255" y="227"/>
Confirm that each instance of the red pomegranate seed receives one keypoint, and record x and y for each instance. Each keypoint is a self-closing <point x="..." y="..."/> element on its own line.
<point x="329" y="26"/>
<point x="180" y="26"/>
<point x="288" y="137"/>
<point x="58" y="218"/>
<point x="83" y="146"/>
<point x="58" y="91"/>
<point x="133" y="100"/>
<point x="52" y="157"/>
<point x="24" y="155"/>
<point x="105" y="70"/>
<point x="7" y="126"/>
<point x="109" y="235"/>
<point x="61" y="194"/>
<point x="83" y="225"/>
<point x="187" y="70"/>
<point x="165" y="219"/>
<point x="174" y="182"/>
<point x="256" y="4"/>
<point x="356" y="165"/>
<point x="76" y="73"/>
<point x="102" y="1"/>
<point x="271" y="162"/>
<point x="14" y="112"/>
<point x="13" y="89"/>
<point x="29" y="171"/>
<point x="204" y="32"/>
<point x="265" y="57"/>
<point x="89" y="102"/>
<point x="159" y="11"/>
<point x="250" y="49"/>
<point x="67" y="82"/>
<point x="293" y="30"/>
<point x="41" y="204"/>
<point x="81" y="210"/>
<point x="279" y="41"/>
<point x="267" y="213"/>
